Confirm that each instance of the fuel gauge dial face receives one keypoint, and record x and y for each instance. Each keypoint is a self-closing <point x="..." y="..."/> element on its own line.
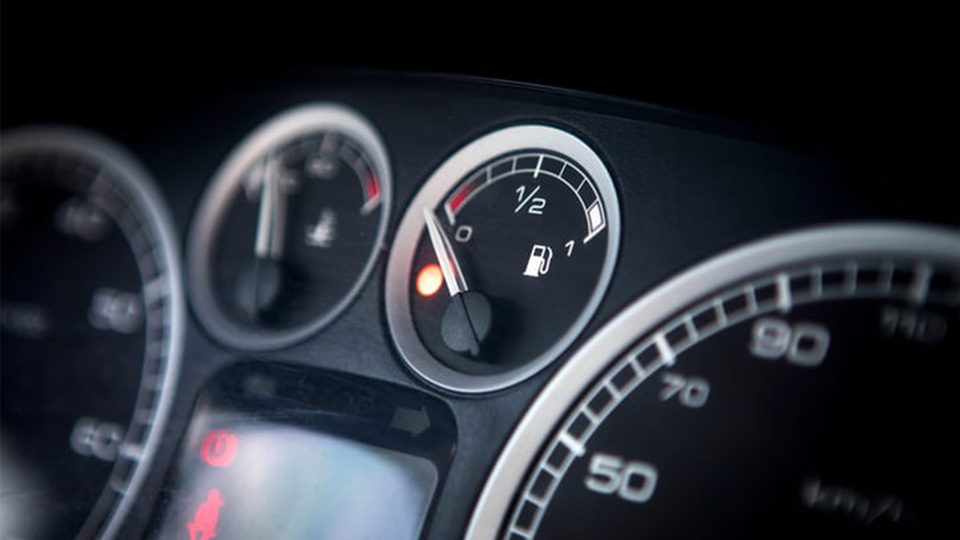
<point x="502" y="258"/>
<point x="288" y="231"/>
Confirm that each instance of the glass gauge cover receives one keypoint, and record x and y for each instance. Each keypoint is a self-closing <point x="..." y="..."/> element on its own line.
<point x="502" y="258"/>
<point x="91" y="326"/>
<point x="289" y="229"/>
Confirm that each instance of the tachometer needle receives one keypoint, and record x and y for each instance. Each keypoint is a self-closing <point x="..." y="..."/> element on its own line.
<point x="452" y="274"/>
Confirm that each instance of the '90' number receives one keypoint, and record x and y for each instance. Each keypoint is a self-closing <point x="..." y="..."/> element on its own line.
<point x="803" y="344"/>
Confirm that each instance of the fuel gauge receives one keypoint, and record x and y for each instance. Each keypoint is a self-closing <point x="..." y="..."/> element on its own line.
<point x="289" y="229"/>
<point x="502" y="258"/>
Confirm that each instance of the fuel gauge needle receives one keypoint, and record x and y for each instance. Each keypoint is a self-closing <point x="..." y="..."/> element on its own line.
<point x="467" y="320"/>
<point x="449" y="265"/>
<point x="260" y="285"/>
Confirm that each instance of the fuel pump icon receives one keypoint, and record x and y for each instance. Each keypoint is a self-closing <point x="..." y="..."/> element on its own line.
<point x="538" y="264"/>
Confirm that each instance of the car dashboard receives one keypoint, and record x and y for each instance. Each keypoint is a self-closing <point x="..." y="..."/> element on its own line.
<point x="384" y="304"/>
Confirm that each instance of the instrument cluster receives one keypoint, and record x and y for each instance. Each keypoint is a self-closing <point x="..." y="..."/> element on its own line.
<point x="355" y="305"/>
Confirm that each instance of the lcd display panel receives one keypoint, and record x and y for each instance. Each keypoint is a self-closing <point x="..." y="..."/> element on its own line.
<point x="282" y="453"/>
<point x="287" y="482"/>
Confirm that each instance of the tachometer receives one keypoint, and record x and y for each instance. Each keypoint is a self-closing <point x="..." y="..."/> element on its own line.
<point x="804" y="386"/>
<point x="502" y="258"/>
<point x="91" y="321"/>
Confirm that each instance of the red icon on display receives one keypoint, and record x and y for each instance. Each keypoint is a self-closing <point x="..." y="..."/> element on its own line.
<point x="219" y="448"/>
<point x="204" y="524"/>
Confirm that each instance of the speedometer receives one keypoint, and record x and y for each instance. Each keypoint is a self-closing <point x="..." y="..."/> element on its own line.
<point x="801" y="386"/>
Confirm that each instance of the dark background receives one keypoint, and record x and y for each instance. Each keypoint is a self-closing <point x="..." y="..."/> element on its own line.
<point x="861" y="82"/>
<point x="878" y="87"/>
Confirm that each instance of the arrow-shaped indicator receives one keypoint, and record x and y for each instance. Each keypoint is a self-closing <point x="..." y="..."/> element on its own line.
<point x="413" y="421"/>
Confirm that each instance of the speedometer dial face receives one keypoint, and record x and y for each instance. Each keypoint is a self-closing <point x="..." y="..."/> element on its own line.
<point x="91" y="332"/>
<point x="502" y="258"/>
<point x="803" y="387"/>
<point x="289" y="229"/>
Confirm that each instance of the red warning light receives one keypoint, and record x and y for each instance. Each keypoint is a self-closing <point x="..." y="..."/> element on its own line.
<point x="204" y="524"/>
<point x="219" y="448"/>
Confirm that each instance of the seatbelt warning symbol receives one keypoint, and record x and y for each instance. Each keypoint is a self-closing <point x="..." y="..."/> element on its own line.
<point x="539" y="262"/>
<point x="204" y="524"/>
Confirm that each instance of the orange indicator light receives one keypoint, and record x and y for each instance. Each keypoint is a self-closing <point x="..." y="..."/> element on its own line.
<point x="429" y="280"/>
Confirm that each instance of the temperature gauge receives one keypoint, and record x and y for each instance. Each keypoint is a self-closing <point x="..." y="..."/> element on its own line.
<point x="288" y="231"/>
<point x="502" y="258"/>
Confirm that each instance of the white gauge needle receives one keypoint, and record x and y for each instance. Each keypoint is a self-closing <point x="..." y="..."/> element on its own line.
<point x="272" y="218"/>
<point x="449" y="265"/>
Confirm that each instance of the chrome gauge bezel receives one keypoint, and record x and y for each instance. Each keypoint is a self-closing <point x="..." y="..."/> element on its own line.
<point x="296" y="122"/>
<point x="440" y="183"/>
<point x="164" y="355"/>
<point x="645" y="315"/>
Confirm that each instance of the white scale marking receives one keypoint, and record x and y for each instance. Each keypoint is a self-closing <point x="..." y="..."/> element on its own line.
<point x="850" y="279"/>
<point x="157" y="349"/>
<point x="452" y="219"/>
<point x="572" y="443"/>
<point x="751" y="293"/>
<point x="617" y="395"/>
<point x="691" y="328"/>
<point x="153" y="382"/>
<point x="119" y="486"/>
<point x="536" y="172"/>
<point x="359" y="164"/>
<point x="886" y="270"/>
<point x="582" y="182"/>
<point x="585" y="409"/>
<point x="667" y="355"/>
<point x="100" y="187"/>
<point x="784" y="299"/>
<point x="131" y="451"/>
<point x="921" y="283"/>
<point x="640" y="370"/>
<point x="539" y="502"/>
<point x="547" y="466"/>
<point x="144" y="416"/>
<point x="328" y="144"/>
<point x="155" y="289"/>
<point x="721" y="314"/>
<point x="370" y="205"/>
<point x="536" y="502"/>
<point x="816" y="282"/>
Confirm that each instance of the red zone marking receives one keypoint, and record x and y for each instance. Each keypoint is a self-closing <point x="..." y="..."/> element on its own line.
<point x="460" y="196"/>
<point x="372" y="187"/>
